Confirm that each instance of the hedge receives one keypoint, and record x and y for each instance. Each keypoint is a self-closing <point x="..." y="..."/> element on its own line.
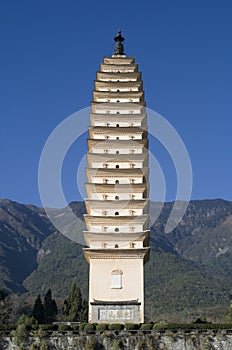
<point x="102" y="327"/>
<point x="89" y="328"/>
<point x="64" y="328"/>
<point x="131" y="326"/>
<point x="82" y="326"/>
<point x="146" y="326"/>
<point x="116" y="326"/>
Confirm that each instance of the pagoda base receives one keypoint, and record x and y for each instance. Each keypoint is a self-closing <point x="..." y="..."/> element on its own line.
<point x="116" y="311"/>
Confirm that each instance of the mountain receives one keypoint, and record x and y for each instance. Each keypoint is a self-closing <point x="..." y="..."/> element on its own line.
<point x="189" y="272"/>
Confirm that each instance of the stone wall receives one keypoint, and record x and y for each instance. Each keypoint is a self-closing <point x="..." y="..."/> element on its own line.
<point x="138" y="340"/>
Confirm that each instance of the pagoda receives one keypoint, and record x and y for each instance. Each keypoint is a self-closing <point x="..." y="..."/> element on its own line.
<point x="117" y="205"/>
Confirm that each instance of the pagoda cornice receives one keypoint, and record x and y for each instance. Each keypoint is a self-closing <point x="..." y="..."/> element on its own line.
<point x="117" y="85"/>
<point x="130" y="172"/>
<point x="102" y="130"/>
<point x="118" y="94"/>
<point x="142" y="237"/>
<point x="123" y="106"/>
<point x="113" y="76"/>
<point x="117" y="157"/>
<point x="118" y="204"/>
<point x="103" y="188"/>
<point x="119" y="60"/>
<point x="119" y="68"/>
<point x="141" y="253"/>
<point x="117" y="144"/>
<point x="116" y="220"/>
<point x="122" y="236"/>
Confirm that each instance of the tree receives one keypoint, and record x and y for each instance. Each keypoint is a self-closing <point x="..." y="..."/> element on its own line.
<point x="84" y="314"/>
<point x="38" y="310"/>
<point x="27" y="321"/>
<point x="73" y="307"/>
<point x="50" y="307"/>
<point x="5" y="307"/>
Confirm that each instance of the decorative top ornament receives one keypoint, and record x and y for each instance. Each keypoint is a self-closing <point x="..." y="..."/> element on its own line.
<point x="119" y="49"/>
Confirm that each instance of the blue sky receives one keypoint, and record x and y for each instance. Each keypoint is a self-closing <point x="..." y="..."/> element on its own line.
<point x="51" y="50"/>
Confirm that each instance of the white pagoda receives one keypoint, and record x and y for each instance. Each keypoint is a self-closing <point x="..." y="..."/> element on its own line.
<point x="117" y="205"/>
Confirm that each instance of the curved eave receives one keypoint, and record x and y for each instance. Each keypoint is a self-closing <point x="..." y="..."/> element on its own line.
<point x="119" y="106"/>
<point x="109" y="117"/>
<point x="131" y="173"/>
<point x="117" y="130"/>
<point x="117" y="157"/>
<point x="117" y="144"/>
<point x="118" y="94"/>
<point x="117" y="204"/>
<point x="125" y="188"/>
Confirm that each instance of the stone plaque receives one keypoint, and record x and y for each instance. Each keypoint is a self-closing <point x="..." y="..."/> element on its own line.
<point x="106" y="315"/>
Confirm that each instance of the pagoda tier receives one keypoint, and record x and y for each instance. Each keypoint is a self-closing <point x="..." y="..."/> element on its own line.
<point x="122" y="120"/>
<point x="112" y="224"/>
<point x="123" y="86"/>
<point x="118" y="107"/>
<point x="109" y="192"/>
<point x="117" y="161"/>
<point x="120" y="240"/>
<point x="116" y="133"/>
<point x="117" y="146"/>
<point x="117" y="176"/>
<point x="117" y="219"/>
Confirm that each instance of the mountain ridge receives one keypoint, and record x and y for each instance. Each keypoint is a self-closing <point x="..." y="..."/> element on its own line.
<point x="190" y="268"/>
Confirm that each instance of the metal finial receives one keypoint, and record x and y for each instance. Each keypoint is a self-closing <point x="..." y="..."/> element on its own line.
<point x="119" y="49"/>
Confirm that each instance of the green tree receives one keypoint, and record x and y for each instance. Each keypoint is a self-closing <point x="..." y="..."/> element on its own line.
<point x="84" y="313"/>
<point x="20" y="334"/>
<point x="27" y="321"/>
<point x="74" y="309"/>
<point x="5" y="307"/>
<point x="50" y="307"/>
<point x="38" y="310"/>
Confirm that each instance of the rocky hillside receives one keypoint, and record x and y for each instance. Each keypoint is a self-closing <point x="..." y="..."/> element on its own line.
<point x="189" y="272"/>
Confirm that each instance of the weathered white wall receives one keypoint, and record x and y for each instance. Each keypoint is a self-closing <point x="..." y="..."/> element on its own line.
<point x="100" y="279"/>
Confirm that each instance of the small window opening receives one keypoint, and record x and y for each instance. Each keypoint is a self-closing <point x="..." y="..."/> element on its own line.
<point x="116" y="277"/>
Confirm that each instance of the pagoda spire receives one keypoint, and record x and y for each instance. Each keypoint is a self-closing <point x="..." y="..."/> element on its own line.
<point x="119" y="48"/>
